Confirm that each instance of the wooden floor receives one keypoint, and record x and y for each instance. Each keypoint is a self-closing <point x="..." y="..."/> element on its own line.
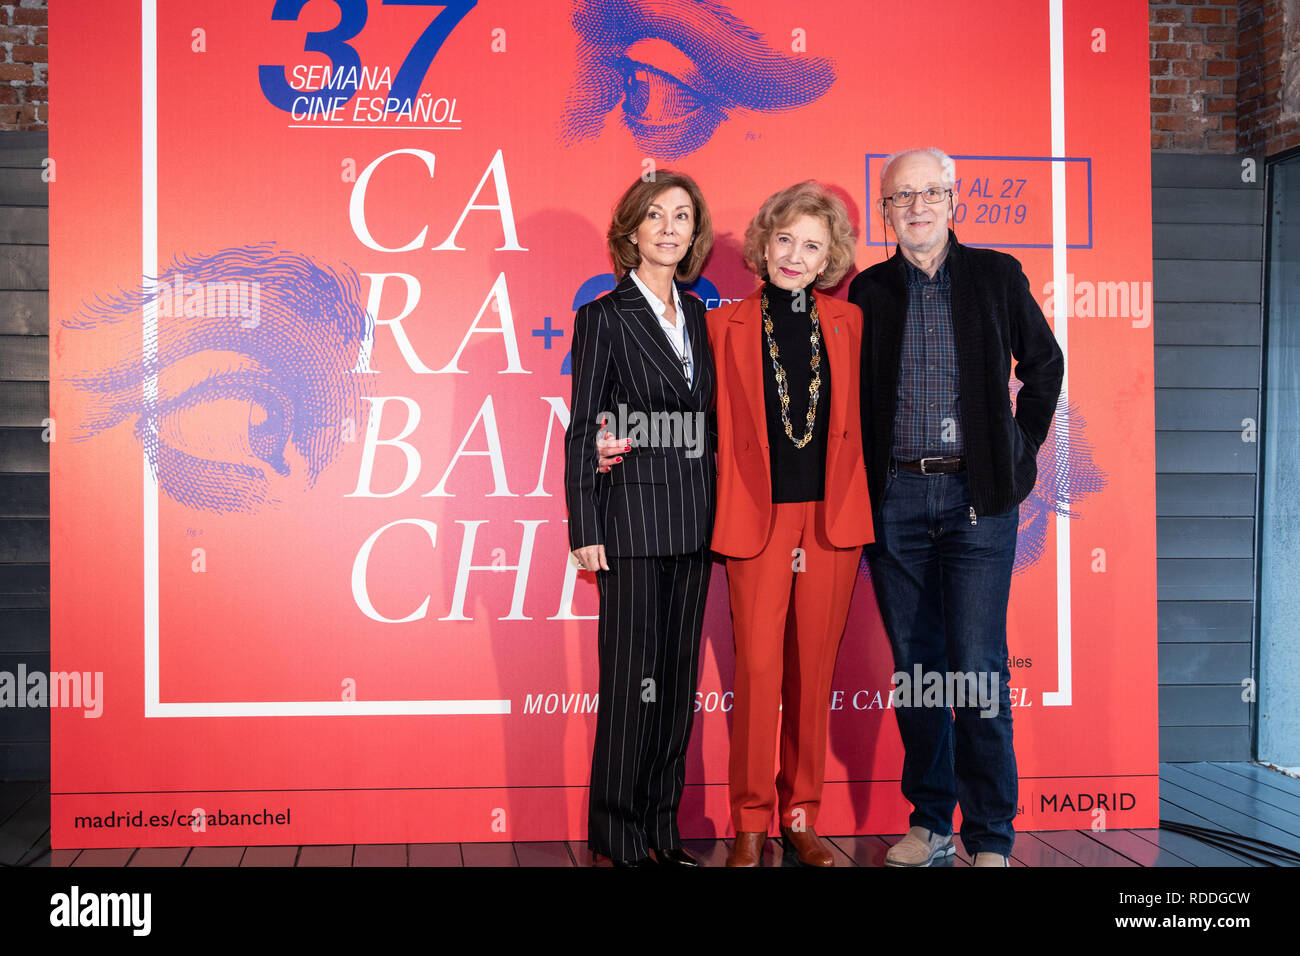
<point x="1240" y="798"/>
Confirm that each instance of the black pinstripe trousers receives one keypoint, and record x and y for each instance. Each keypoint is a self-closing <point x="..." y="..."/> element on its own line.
<point x="651" y="613"/>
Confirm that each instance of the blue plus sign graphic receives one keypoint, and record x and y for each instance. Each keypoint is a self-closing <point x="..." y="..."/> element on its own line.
<point x="546" y="332"/>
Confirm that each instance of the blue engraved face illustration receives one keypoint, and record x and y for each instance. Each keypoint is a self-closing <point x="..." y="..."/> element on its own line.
<point x="253" y="360"/>
<point x="678" y="68"/>
<point x="1067" y="474"/>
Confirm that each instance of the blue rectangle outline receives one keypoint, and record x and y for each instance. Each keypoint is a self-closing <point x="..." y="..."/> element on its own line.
<point x="1086" y="160"/>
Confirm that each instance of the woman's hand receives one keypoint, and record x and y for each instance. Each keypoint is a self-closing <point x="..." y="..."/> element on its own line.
<point x="609" y="450"/>
<point x="591" y="558"/>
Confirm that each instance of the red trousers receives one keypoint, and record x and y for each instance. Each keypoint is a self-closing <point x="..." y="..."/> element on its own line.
<point x="788" y="607"/>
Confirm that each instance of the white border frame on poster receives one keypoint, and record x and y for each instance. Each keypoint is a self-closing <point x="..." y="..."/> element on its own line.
<point x="154" y="707"/>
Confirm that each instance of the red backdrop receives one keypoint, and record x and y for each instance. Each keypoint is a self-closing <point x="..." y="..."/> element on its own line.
<point x="216" y="479"/>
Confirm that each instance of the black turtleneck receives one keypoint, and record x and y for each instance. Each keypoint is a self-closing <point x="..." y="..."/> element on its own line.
<point x="798" y="474"/>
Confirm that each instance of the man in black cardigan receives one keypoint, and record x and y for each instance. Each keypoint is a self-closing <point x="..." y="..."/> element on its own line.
<point x="948" y="464"/>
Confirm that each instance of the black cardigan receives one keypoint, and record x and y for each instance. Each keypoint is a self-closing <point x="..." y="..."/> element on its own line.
<point x="994" y="316"/>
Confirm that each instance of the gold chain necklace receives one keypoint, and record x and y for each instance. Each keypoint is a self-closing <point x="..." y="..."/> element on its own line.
<point x="814" y="364"/>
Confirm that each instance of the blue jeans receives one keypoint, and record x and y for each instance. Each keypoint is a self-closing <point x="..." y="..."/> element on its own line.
<point x="942" y="583"/>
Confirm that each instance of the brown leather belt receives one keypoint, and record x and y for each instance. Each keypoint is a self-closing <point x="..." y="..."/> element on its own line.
<point x="934" y="466"/>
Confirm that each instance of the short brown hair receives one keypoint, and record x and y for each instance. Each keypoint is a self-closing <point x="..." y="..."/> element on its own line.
<point x="632" y="209"/>
<point x="809" y="198"/>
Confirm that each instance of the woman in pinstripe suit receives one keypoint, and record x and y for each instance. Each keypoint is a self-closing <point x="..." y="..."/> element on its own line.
<point x="642" y="366"/>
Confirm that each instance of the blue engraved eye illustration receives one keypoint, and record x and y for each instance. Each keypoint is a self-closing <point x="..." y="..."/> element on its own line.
<point x="654" y="98"/>
<point x="253" y="364"/>
<point x="678" y="68"/>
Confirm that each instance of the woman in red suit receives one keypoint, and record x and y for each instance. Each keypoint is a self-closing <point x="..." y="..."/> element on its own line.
<point x="792" y="508"/>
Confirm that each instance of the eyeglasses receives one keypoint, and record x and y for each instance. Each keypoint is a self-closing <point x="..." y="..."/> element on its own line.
<point x="931" y="194"/>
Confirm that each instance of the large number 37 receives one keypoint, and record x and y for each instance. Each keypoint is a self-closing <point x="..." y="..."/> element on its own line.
<point x="333" y="43"/>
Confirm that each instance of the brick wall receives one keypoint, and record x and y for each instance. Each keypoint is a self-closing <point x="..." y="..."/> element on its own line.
<point x="24" y="65"/>
<point x="1225" y="75"/>
<point x="1194" y="76"/>
<point x="1269" y="95"/>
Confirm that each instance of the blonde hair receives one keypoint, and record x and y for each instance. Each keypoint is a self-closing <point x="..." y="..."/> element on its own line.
<point x="809" y="198"/>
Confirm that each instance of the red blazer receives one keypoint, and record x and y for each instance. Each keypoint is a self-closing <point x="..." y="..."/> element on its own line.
<point x="743" y="520"/>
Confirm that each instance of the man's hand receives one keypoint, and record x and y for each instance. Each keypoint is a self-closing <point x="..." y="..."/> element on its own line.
<point x="609" y="450"/>
<point x="591" y="558"/>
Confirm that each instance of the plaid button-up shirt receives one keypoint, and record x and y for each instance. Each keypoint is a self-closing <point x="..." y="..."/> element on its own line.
<point x="928" y="420"/>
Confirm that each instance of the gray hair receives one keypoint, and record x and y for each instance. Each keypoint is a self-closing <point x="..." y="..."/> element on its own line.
<point x="948" y="169"/>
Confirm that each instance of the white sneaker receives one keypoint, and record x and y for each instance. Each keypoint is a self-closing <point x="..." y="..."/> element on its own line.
<point x="920" y="847"/>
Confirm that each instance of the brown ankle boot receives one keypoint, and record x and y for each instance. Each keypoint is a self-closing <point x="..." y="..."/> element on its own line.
<point x="748" y="849"/>
<point x="806" y="846"/>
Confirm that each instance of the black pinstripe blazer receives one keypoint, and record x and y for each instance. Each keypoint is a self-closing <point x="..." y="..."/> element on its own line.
<point x="660" y="499"/>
